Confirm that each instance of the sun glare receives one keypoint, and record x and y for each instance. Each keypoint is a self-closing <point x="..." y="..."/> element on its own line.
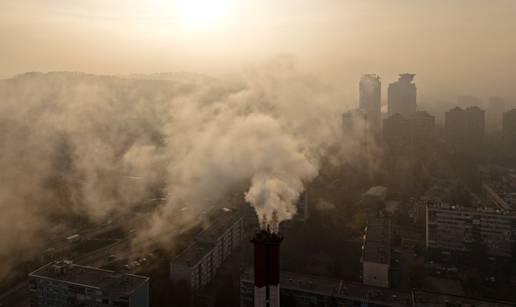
<point x="203" y="13"/>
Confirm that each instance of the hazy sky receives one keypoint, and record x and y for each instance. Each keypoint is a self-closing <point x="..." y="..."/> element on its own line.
<point x="454" y="46"/>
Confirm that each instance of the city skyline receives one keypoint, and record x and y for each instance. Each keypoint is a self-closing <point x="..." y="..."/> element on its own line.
<point x="235" y="153"/>
<point x="373" y="36"/>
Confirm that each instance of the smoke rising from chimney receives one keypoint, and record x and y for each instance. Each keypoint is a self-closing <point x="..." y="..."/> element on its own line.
<point x="91" y="146"/>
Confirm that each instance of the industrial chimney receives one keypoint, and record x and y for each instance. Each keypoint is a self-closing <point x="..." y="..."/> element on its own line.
<point x="266" y="268"/>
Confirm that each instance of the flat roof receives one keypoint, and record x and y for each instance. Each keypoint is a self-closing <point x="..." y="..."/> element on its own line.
<point x="438" y="204"/>
<point x="108" y="281"/>
<point x="193" y="254"/>
<point x="204" y="242"/>
<point x="370" y="294"/>
<point x="222" y="220"/>
<point x="425" y="298"/>
<point x="339" y="288"/>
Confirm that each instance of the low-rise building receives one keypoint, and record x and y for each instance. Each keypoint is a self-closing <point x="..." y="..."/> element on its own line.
<point x="198" y="264"/>
<point x="305" y="290"/>
<point x="302" y="290"/>
<point x="63" y="283"/>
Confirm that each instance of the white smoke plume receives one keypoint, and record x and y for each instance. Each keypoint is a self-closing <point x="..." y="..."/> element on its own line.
<point x="88" y="146"/>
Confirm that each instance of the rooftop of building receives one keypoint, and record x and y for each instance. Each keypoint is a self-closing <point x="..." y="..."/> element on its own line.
<point x="439" y="204"/>
<point x="377" y="247"/>
<point x="339" y="288"/>
<point x="193" y="254"/>
<point x="220" y="222"/>
<point x="370" y="294"/>
<point x="424" y="298"/>
<point x="470" y="109"/>
<point x="406" y="77"/>
<point x="474" y="109"/>
<point x="377" y="191"/>
<point x="423" y="115"/>
<point x="107" y="281"/>
<point x="395" y="118"/>
<point x="369" y="77"/>
<point x="511" y="112"/>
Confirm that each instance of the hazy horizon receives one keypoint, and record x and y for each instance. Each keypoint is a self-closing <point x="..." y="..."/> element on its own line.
<point x="158" y="137"/>
<point x="455" y="47"/>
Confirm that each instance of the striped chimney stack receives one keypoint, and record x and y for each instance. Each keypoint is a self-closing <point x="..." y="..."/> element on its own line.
<point x="266" y="266"/>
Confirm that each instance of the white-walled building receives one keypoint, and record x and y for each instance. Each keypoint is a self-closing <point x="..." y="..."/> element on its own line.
<point x="63" y="283"/>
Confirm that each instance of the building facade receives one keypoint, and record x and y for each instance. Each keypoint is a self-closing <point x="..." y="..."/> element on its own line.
<point x="422" y="127"/>
<point x="465" y="128"/>
<point x="451" y="228"/>
<point x="370" y="99"/>
<point x="509" y="130"/>
<point x="300" y="290"/>
<point x="402" y="96"/>
<point x="64" y="284"/>
<point x="465" y="101"/>
<point x="413" y="134"/>
<point x="494" y="114"/>
<point x="198" y="264"/>
<point x="376" y="252"/>
<point x="396" y="133"/>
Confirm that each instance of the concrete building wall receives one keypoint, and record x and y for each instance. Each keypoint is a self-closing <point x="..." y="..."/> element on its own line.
<point x="198" y="274"/>
<point x="181" y="272"/>
<point x="402" y="96"/>
<point x="140" y="297"/>
<point x="454" y="229"/>
<point x="370" y="96"/>
<point x="375" y="274"/>
<point x="509" y="130"/>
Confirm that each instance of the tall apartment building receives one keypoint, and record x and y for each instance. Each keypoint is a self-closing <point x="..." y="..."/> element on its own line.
<point x="422" y="130"/>
<point x="494" y="114"/>
<point x="198" y="264"/>
<point x="466" y="101"/>
<point x="409" y="134"/>
<point x="464" y="128"/>
<point x="509" y="130"/>
<point x="63" y="283"/>
<point x="402" y="96"/>
<point x="396" y="133"/>
<point x="376" y="252"/>
<point x="370" y="99"/>
<point x="453" y="228"/>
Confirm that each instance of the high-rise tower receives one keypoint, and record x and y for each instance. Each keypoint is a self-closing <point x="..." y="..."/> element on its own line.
<point x="402" y="96"/>
<point x="370" y="99"/>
